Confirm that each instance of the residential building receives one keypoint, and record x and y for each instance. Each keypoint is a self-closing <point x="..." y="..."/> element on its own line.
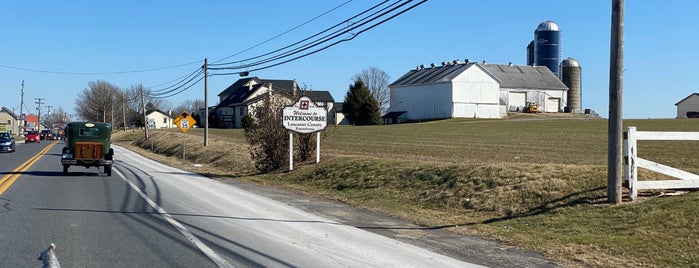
<point x="10" y="122"/>
<point x="340" y="118"/>
<point x="472" y="90"/>
<point x="688" y="107"/>
<point x="322" y="99"/>
<point x="160" y="119"/>
<point x="242" y="96"/>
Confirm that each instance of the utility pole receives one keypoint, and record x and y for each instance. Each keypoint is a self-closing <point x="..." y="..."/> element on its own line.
<point x="22" y="124"/>
<point x="206" y="102"/>
<point x="143" y="106"/>
<point x="39" y="102"/>
<point x="48" y="112"/>
<point x="615" y="132"/>
<point x="123" y="109"/>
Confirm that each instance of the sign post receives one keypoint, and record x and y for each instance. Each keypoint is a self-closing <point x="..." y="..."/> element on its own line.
<point x="304" y="117"/>
<point x="184" y="122"/>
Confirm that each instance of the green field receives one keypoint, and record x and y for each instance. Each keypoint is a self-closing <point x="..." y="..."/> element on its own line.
<point x="537" y="184"/>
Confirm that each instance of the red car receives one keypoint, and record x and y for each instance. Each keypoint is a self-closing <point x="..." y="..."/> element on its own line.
<point x="32" y="136"/>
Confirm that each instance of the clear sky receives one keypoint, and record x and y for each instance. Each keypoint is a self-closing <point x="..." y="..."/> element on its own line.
<point x="57" y="47"/>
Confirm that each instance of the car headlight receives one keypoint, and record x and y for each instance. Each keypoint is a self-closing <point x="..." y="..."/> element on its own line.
<point x="5" y="143"/>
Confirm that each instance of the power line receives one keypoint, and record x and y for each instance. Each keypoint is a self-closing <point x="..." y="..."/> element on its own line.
<point x="298" y="50"/>
<point x="285" y="32"/>
<point x="97" y="73"/>
<point x="306" y="39"/>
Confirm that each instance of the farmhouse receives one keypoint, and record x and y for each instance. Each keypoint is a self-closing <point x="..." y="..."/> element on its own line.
<point x="236" y="101"/>
<point x="159" y="118"/>
<point x="688" y="107"/>
<point x="473" y="90"/>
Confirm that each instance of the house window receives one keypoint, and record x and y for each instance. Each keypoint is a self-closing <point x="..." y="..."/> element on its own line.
<point x="241" y="110"/>
<point x="164" y="120"/>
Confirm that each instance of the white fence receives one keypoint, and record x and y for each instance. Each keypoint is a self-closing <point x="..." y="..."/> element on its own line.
<point x="633" y="162"/>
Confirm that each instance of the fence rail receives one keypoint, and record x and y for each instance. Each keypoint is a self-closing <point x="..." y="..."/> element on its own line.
<point x="633" y="162"/>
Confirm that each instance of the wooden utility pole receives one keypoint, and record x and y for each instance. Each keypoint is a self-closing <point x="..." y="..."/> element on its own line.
<point x="143" y="106"/>
<point x="615" y="138"/>
<point x="206" y="102"/>
<point x="123" y="109"/>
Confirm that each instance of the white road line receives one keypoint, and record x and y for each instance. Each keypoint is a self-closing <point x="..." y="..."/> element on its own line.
<point x="221" y="262"/>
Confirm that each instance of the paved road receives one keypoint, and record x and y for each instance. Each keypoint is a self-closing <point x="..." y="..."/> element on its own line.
<point x="151" y="215"/>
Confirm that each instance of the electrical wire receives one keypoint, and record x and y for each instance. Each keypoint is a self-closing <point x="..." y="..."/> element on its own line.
<point x="354" y="35"/>
<point x="303" y="40"/>
<point x="98" y="73"/>
<point x="287" y="31"/>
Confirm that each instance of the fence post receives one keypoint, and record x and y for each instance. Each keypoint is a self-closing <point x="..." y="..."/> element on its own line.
<point x="632" y="169"/>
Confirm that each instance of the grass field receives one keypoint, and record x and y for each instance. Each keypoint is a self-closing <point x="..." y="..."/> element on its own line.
<point x="537" y="184"/>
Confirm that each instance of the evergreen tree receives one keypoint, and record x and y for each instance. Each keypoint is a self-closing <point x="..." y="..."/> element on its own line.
<point x="361" y="108"/>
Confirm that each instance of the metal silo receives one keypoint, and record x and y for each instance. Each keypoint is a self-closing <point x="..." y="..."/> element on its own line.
<point x="530" y="53"/>
<point x="547" y="46"/>
<point x="571" y="76"/>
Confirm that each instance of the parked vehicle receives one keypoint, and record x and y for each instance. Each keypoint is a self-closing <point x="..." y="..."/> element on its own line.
<point x="32" y="136"/>
<point x="7" y="142"/>
<point x="46" y="135"/>
<point x="88" y="145"/>
<point x="692" y="114"/>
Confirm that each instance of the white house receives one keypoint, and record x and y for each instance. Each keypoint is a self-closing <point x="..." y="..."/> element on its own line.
<point x="242" y="96"/>
<point x="686" y="106"/>
<point x="473" y="90"/>
<point x="160" y="119"/>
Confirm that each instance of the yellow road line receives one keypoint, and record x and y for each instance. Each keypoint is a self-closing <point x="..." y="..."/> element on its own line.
<point x="7" y="180"/>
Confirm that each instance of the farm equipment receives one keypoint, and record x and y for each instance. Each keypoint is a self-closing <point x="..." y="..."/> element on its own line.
<point x="531" y="107"/>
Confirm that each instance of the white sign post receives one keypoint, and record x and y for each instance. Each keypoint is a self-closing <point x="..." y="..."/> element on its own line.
<point x="304" y="117"/>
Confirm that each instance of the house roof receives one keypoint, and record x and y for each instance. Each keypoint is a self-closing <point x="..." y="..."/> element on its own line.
<point x="690" y="95"/>
<point x="148" y="112"/>
<point x="233" y="87"/>
<point x="338" y="106"/>
<point x="238" y="92"/>
<point x="319" y="96"/>
<point x="11" y="113"/>
<point x="508" y="76"/>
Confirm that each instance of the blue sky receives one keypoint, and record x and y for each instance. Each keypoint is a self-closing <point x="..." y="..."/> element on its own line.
<point x="63" y="38"/>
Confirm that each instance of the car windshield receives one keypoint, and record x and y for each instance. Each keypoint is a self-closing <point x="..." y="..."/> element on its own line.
<point x="5" y="136"/>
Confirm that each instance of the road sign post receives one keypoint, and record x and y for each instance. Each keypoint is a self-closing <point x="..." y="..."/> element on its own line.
<point x="304" y="117"/>
<point x="184" y="122"/>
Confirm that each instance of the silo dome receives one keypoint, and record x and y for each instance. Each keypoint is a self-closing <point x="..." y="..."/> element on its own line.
<point x="570" y="62"/>
<point x="547" y="26"/>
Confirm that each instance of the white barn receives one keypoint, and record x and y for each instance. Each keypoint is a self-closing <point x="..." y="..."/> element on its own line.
<point x="688" y="105"/>
<point x="473" y="90"/>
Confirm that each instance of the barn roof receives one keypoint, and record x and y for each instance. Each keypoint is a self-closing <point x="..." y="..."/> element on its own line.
<point x="514" y="76"/>
<point x="508" y="76"/>
<point x="690" y="95"/>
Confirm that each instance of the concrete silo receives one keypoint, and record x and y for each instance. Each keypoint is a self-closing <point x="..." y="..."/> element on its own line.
<point x="571" y="74"/>
<point x="547" y="46"/>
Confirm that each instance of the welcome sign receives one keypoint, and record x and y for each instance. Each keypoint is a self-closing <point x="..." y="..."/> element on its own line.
<point x="305" y="116"/>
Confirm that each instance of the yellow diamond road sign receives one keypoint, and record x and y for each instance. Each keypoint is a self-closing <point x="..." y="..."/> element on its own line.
<point x="185" y="122"/>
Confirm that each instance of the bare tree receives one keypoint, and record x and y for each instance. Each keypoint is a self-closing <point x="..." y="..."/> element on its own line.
<point x="96" y="102"/>
<point x="376" y="80"/>
<point x="268" y="140"/>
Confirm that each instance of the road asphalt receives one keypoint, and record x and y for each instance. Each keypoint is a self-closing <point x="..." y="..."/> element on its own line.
<point x="466" y="248"/>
